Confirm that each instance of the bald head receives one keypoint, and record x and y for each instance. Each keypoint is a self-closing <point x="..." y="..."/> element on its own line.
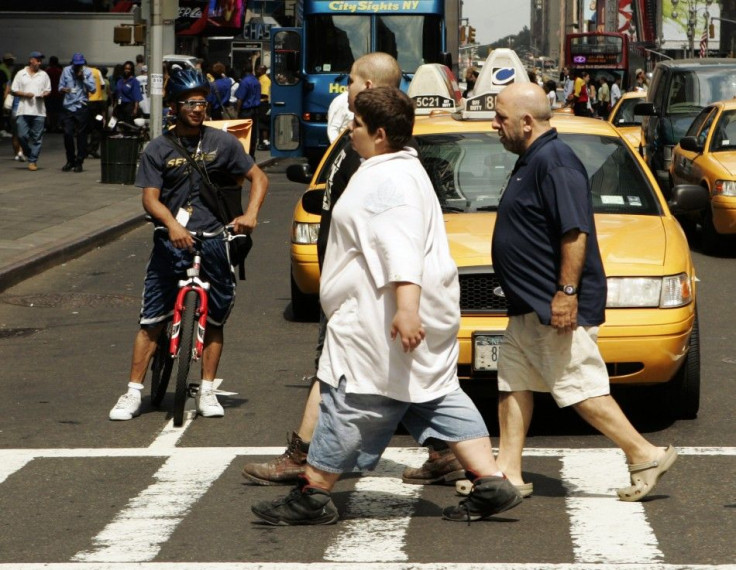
<point x="380" y="69"/>
<point x="522" y="115"/>
<point x="527" y="99"/>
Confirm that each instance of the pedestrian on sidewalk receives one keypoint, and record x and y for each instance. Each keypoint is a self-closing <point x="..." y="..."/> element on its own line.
<point x="76" y="83"/>
<point x="248" y="95"/>
<point x="264" y="111"/>
<point x="171" y="196"/>
<point x="545" y="253"/>
<point x="55" y="100"/>
<point x="31" y="84"/>
<point x="391" y="294"/>
<point x="128" y="95"/>
<point x="97" y="110"/>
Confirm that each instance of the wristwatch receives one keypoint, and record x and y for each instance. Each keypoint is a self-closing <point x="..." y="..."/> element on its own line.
<point x="568" y="289"/>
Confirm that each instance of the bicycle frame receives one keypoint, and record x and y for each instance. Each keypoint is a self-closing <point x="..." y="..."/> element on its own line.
<point x="186" y="285"/>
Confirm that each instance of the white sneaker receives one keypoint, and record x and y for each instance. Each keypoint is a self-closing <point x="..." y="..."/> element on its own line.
<point x="20" y="157"/>
<point x="208" y="406"/>
<point x="127" y="407"/>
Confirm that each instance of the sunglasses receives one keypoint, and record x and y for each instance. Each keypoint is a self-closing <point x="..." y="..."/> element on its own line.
<point x="190" y="104"/>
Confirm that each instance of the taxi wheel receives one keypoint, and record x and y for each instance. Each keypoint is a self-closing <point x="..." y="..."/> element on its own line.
<point x="304" y="307"/>
<point x="683" y="391"/>
<point x="710" y="239"/>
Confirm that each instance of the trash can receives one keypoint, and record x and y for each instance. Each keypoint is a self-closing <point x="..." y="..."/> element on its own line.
<point x="119" y="159"/>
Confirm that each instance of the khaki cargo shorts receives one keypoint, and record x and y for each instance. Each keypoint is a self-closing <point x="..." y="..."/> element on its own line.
<point x="535" y="357"/>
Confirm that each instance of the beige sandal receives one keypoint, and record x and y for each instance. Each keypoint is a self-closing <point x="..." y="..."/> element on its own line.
<point x="463" y="488"/>
<point x="644" y="476"/>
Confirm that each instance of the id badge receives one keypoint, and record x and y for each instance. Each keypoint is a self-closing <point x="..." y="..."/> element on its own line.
<point x="182" y="217"/>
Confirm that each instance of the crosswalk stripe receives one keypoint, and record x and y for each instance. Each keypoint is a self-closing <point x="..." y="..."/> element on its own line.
<point x="354" y="566"/>
<point x="601" y="526"/>
<point x="150" y="519"/>
<point x="378" y="512"/>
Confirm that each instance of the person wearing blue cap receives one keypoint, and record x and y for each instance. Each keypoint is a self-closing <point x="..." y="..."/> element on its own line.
<point x="76" y="84"/>
<point x="31" y="85"/>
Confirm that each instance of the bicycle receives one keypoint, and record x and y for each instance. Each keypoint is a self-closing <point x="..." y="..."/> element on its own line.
<point x="178" y="341"/>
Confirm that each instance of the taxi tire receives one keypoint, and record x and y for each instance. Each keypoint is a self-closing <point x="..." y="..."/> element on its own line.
<point x="304" y="307"/>
<point x="683" y="391"/>
<point x="710" y="239"/>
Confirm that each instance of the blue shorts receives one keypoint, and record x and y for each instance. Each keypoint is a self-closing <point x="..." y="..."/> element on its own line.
<point x="353" y="430"/>
<point x="169" y="264"/>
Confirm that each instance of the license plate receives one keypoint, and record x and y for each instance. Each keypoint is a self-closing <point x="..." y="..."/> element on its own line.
<point x="486" y="350"/>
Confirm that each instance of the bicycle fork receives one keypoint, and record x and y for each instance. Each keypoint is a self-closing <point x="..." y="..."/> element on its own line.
<point x="184" y="287"/>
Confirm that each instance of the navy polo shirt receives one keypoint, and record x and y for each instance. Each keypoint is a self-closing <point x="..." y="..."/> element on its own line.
<point x="547" y="195"/>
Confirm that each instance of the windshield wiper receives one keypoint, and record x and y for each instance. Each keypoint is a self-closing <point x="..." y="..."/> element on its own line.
<point x="447" y="208"/>
<point x="487" y="209"/>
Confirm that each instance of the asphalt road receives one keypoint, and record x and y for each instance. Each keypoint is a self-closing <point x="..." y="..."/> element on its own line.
<point x="79" y="491"/>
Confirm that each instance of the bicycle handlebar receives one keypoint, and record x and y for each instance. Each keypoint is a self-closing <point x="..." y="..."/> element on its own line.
<point x="228" y="231"/>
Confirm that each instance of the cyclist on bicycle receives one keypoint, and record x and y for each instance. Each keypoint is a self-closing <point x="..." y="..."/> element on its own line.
<point x="171" y="195"/>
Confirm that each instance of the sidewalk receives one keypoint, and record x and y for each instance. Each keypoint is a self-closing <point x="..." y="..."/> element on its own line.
<point x="49" y="216"/>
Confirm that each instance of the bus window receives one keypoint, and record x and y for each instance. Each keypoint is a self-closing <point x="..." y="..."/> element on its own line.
<point x="396" y="35"/>
<point x="335" y="42"/>
<point x="286" y="58"/>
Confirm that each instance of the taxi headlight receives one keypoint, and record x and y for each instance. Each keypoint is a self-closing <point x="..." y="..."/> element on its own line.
<point x="664" y="292"/>
<point x="725" y="188"/>
<point x="304" y="234"/>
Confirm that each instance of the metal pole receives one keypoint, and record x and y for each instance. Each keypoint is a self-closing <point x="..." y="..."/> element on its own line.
<point x="155" y="70"/>
<point x="563" y="29"/>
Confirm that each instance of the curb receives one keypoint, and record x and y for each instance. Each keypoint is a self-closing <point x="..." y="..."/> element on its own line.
<point x="62" y="252"/>
<point x="67" y="250"/>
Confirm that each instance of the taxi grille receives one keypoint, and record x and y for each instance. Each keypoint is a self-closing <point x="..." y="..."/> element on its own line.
<point x="479" y="292"/>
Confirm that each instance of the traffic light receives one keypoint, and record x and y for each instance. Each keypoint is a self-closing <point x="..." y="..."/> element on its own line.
<point x="471" y="35"/>
<point x="711" y="31"/>
<point x="462" y="34"/>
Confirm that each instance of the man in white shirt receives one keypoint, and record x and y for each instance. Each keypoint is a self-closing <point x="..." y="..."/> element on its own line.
<point x="31" y="85"/>
<point x="390" y="291"/>
<point x="615" y="91"/>
<point x="338" y="116"/>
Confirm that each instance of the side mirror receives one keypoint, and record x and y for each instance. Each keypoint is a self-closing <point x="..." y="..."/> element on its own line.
<point x="688" y="198"/>
<point x="691" y="144"/>
<point x="312" y="202"/>
<point x="301" y="173"/>
<point x="646" y="109"/>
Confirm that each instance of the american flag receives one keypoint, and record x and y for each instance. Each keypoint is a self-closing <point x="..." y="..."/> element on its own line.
<point x="704" y="42"/>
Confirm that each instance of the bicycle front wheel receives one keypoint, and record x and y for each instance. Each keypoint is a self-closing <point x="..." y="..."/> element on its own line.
<point x="161" y="367"/>
<point x="186" y="342"/>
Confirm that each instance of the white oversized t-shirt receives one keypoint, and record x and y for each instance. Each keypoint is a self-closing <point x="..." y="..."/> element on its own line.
<point x="386" y="228"/>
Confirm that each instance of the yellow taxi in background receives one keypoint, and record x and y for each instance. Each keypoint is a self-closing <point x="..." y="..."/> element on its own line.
<point x="651" y="331"/>
<point x="623" y="118"/>
<point x="706" y="155"/>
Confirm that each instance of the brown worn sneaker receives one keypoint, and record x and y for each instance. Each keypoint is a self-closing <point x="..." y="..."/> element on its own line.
<point x="282" y="470"/>
<point x="440" y="467"/>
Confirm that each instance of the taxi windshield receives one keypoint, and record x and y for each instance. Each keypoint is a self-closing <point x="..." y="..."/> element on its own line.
<point x="724" y="136"/>
<point x="469" y="170"/>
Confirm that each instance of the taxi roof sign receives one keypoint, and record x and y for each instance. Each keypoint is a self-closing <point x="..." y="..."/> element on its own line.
<point x="434" y="88"/>
<point x="502" y="68"/>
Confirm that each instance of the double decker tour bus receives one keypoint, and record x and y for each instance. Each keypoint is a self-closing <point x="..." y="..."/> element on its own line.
<point x="604" y="54"/>
<point x="310" y="64"/>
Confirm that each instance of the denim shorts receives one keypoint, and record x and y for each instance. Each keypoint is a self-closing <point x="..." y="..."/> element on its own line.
<point x="353" y="430"/>
<point x="169" y="264"/>
<point x="536" y="357"/>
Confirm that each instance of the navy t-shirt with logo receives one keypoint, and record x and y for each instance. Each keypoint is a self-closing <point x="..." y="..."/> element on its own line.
<point x="547" y="195"/>
<point x="218" y="151"/>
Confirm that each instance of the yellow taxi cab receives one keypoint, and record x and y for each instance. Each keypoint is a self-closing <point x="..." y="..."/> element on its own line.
<point x="706" y="155"/>
<point x="651" y="331"/>
<point x="623" y="118"/>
